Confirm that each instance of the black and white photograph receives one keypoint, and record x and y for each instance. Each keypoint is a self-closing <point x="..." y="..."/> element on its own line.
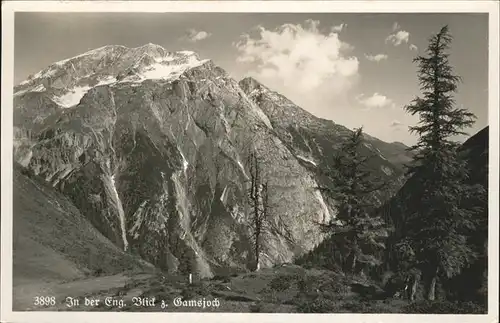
<point x="239" y="161"/>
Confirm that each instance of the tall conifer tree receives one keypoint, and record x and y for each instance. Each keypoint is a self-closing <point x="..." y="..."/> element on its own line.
<point x="437" y="229"/>
<point x="360" y="235"/>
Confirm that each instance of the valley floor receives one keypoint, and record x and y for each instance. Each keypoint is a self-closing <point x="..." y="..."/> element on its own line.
<point x="290" y="289"/>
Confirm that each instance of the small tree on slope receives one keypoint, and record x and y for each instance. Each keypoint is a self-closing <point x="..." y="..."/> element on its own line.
<point x="258" y="198"/>
<point x="360" y="235"/>
<point x="263" y="221"/>
<point x="437" y="229"/>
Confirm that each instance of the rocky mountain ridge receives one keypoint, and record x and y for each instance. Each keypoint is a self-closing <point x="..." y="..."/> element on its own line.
<point x="315" y="141"/>
<point x="152" y="147"/>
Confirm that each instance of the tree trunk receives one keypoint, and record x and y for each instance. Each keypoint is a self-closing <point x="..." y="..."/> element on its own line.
<point x="353" y="264"/>
<point x="414" y="288"/>
<point x="257" y="263"/>
<point x="257" y="253"/>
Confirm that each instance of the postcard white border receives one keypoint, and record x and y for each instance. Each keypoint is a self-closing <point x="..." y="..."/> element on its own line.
<point x="10" y="7"/>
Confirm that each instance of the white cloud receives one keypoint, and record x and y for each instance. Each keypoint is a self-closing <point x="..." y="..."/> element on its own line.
<point x="375" y="101"/>
<point x="413" y="47"/>
<point x="398" y="38"/>
<point x="194" y="35"/>
<point x="298" y="59"/>
<point x="376" y="58"/>
<point x="339" y="28"/>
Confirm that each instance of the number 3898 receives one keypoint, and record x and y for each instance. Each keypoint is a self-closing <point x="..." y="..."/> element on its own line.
<point x="44" y="301"/>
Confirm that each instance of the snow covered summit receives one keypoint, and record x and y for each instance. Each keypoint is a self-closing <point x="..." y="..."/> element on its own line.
<point x="67" y="81"/>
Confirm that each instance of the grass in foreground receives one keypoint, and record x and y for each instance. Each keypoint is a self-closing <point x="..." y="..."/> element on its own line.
<point x="290" y="289"/>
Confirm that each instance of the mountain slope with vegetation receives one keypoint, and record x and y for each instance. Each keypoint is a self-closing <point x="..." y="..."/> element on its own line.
<point x="53" y="242"/>
<point x="153" y="148"/>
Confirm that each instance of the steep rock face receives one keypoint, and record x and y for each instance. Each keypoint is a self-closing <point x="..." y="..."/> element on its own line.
<point x="315" y="141"/>
<point x="152" y="148"/>
<point x="64" y="83"/>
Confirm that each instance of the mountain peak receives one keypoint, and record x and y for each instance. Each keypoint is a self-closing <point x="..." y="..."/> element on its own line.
<point x="151" y="45"/>
<point x="249" y="84"/>
<point x="119" y="56"/>
<point x="66" y="81"/>
<point x="250" y="79"/>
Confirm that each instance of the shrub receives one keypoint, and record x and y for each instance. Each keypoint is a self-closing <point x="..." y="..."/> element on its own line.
<point x="445" y="307"/>
<point x="223" y="278"/>
<point x="318" y="305"/>
<point x="191" y="291"/>
<point x="329" y="287"/>
<point x="158" y="292"/>
<point x="282" y="282"/>
<point x="357" y="307"/>
<point x="371" y="307"/>
<point x="256" y="308"/>
<point x="188" y="293"/>
<point x="335" y="286"/>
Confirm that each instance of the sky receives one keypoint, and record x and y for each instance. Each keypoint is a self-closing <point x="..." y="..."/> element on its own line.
<point x="353" y="68"/>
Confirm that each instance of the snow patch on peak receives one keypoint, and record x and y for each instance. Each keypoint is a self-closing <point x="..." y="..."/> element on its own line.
<point x="107" y="80"/>
<point x="164" y="59"/>
<point x="162" y="71"/>
<point x="157" y="52"/>
<point x="38" y="88"/>
<point x="186" y="52"/>
<point x="72" y="97"/>
<point x="95" y="51"/>
<point x="75" y="95"/>
<point x="148" y="62"/>
<point x="45" y="73"/>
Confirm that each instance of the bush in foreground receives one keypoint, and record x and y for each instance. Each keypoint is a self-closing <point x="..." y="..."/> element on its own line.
<point x="445" y="307"/>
